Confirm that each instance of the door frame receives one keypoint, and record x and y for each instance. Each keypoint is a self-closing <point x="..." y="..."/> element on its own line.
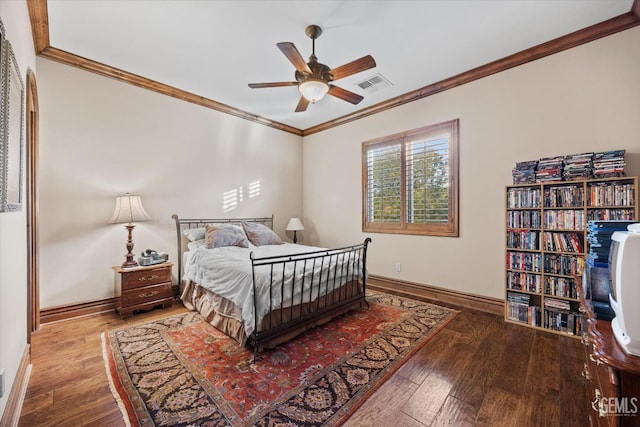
<point x="32" y="150"/>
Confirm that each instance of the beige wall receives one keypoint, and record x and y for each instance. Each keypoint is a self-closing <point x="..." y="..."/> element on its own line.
<point x="101" y="138"/>
<point x="584" y="99"/>
<point x="13" y="249"/>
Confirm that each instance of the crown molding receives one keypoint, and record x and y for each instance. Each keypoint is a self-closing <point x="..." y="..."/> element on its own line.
<point x="67" y="58"/>
<point x="40" y="28"/>
<point x="39" y="17"/>
<point x="577" y="38"/>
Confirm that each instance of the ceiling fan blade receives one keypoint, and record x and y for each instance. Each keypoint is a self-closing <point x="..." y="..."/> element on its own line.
<point x="353" y="67"/>
<point x="292" y="54"/>
<point x="344" y="94"/>
<point x="302" y="104"/>
<point x="276" y="84"/>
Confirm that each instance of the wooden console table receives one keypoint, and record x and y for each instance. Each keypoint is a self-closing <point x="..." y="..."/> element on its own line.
<point x="614" y="376"/>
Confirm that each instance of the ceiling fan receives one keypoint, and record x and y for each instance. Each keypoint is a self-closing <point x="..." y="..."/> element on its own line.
<point x="313" y="78"/>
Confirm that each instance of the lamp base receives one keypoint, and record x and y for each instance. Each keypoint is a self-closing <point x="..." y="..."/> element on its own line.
<point x="129" y="263"/>
<point x="130" y="259"/>
<point x="295" y="237"/>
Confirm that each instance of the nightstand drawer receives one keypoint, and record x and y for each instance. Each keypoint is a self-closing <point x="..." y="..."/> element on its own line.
<point x="147" y="294"/>
<point x="136" y="279"/>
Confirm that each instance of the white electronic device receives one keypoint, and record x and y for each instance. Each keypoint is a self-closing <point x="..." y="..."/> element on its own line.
<point x="624" y="278"/>
<point x="151" y="257"/>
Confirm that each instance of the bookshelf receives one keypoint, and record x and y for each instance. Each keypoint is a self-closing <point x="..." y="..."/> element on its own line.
<point x="546" y="245"/>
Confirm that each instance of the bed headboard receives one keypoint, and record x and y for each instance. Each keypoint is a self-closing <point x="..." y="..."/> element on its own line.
<point x="182" y="224"/>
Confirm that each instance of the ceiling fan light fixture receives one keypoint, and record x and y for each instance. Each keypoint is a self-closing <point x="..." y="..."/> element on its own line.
<point x="313" y="89"/>
<point x="313" y="77"/>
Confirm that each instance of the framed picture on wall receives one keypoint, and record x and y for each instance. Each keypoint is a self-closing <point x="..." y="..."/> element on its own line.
<point x="12" y="141"/>
<point x="3" y="109"/>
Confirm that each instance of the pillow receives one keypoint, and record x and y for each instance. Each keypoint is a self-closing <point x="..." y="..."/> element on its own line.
<point x="196" y="244"/>
<point x="220" y="235"/>
<point x="194" y="234"/>
<point x="260" y="234"/>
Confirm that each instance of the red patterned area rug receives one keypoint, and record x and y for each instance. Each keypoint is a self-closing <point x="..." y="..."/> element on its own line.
<point x="180" y="371"/>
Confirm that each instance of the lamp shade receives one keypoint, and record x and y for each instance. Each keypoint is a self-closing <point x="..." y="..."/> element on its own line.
<point x="295" y="225"/>
<point x="129" y="209"/>
<point x="313" y="89"/>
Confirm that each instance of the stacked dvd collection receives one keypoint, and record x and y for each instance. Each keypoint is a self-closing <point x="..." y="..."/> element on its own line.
<point x="559" y="317"/>
<point x="581" y="166"/>
<point x="596" y="277"/>
<point x="609" y="164"/>
<point x="519" y="310"/>
<point x="577" y="166"/>
<point x="525" y="172"/>
<point x="599" y="238"/>
<point x="549" y="169"/>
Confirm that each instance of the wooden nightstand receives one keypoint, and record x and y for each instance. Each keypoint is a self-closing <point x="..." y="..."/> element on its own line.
<point x="142" y="288"/>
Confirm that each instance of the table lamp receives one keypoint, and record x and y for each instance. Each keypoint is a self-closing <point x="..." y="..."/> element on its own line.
<point x="129" y="210"/>
<point x="295" y="225"/>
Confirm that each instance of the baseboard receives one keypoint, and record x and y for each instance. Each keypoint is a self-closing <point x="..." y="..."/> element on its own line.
<point x="65" y="312"/>
<point x="11" y="414"/>
<point x="410" y="289"/>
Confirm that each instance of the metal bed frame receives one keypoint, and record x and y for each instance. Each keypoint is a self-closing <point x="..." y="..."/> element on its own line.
<point x="182" y="223"/>
<point x="339" y="295"/>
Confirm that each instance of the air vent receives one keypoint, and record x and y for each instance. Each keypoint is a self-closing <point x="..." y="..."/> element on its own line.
<point x="374" y="83"/>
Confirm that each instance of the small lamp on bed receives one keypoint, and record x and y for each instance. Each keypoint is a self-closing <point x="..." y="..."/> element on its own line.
<point x="129" y="210"/>
<point x="295" y="225"/>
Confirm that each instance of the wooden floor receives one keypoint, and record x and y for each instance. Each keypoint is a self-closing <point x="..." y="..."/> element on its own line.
<point x="477" y="371"/>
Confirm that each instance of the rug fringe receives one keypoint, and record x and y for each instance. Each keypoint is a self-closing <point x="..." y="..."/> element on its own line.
<point x="114" y="391"/>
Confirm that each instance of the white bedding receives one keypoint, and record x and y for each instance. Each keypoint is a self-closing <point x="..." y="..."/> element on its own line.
<point x="227" y="272"/>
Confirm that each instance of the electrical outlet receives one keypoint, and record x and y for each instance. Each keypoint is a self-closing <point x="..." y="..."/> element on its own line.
<point x="1" y="382"/>
<point x="398" y="267"/>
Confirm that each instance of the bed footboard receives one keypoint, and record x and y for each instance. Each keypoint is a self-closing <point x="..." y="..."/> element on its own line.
<point x="295" y="292"/>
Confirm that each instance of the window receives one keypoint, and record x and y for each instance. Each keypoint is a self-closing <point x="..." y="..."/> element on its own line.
<point x="410" y="182"/>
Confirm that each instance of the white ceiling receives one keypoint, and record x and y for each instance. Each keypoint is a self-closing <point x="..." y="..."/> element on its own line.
<point x="214" y="48"/>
